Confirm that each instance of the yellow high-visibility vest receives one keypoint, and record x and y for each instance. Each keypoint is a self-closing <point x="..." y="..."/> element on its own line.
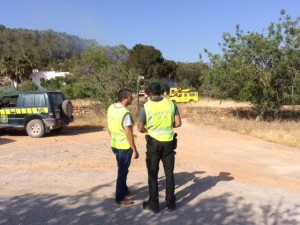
<point x="160" y="119"/>
<point x="115" y="119"/>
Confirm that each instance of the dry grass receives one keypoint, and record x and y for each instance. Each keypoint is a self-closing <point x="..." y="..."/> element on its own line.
<point x="240" y="118"/>
<point x="91" y="119"/>
<point x="211" y="103"/>
<point x="228" y="115"/>
<point x="81" y="102"/>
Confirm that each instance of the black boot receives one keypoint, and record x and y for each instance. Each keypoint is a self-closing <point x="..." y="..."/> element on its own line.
<point x="147" y="206"/>
<point x="171" y="207"/>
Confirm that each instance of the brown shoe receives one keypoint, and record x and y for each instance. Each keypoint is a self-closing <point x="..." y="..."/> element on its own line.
<point x="125" y="201"/>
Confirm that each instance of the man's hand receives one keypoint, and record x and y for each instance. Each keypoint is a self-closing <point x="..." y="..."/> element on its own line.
<point x="177" y="122"/>
<point x="135" y="155"/>
<point x="141" y="128"/>
<point x="129" y="136"/>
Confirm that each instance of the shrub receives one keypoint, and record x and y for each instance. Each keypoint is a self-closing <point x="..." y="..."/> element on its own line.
<point x="28" y="86"/>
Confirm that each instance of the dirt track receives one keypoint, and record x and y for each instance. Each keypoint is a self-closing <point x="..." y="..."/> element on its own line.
<point x="221" y="178"/>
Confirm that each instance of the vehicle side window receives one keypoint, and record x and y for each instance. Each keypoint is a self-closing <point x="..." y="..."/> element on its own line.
<point x="56" y="99"/>
<point x="39" y="100"/>
<point x="29" y="100"/>
<point x="9" y="101"/>
<point x="34" y="100"/>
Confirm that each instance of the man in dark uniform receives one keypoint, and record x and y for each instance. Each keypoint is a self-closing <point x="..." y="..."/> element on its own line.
<point x="158" y="118"/>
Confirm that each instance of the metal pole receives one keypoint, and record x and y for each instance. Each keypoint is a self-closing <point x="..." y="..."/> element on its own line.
<point x="137" y="92"/>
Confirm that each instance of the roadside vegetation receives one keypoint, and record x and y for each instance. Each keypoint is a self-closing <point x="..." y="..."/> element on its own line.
<point x="241" y="118"/>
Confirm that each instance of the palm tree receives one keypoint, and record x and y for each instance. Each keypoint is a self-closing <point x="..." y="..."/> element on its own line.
<point x="17" y="70"/>
<point x="8" y="68"/>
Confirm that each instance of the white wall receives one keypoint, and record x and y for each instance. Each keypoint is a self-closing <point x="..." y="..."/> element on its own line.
<point x="37" y="77"/>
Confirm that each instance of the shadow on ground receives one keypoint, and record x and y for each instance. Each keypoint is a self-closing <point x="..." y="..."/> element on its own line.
<point x="67" y="131"/>
<point x="76" y="130"/>
<point x="88" y="208"/>
<point x="4" y="141"/>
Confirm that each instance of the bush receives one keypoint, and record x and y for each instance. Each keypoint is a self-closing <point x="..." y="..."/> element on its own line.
<point x="68" y="91"/>
<point x="28" y="86"/>
<point x="6" y="90"/>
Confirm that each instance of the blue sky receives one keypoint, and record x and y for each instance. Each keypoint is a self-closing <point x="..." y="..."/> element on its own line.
<point x="179" y="29"/>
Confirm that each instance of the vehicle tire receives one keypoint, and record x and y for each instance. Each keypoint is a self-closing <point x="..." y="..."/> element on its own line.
<point x="67" y="108"/>
<point x="35" y="128"/>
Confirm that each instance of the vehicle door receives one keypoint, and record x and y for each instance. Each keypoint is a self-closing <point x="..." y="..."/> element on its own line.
<point x="34" y="103"/>
<point x="57" y="100"/>
<point x="185" y="97"/>
<point x="9" y="111"/>
<point x="194" y="96"/>
<point x="179" y="98"/>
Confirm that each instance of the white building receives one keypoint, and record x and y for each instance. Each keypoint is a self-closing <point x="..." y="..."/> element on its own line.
<point x="38" y="77"/>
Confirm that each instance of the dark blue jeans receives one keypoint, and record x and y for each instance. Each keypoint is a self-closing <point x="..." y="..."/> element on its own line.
<point x="123" y="159"/>
<point x="165" y="152"/>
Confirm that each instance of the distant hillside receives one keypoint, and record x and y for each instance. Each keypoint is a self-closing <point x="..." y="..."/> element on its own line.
<point x="48" y="47"/>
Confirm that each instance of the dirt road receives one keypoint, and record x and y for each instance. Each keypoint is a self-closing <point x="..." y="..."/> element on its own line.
<point x="221" y="178"/>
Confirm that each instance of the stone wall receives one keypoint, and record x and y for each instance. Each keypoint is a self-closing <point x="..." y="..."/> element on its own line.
<point x="81" y="110"/>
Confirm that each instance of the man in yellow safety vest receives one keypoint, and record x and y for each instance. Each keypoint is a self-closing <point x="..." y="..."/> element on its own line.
<point x="120" y="128"/>
<point x="158" y="118"/>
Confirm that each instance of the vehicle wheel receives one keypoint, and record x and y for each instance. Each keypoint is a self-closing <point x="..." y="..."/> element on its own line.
<point x="67" y="108"/>
<point x="35" y="128"/>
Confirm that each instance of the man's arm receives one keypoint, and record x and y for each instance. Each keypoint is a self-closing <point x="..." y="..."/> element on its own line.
<point x="106" y="128"/>
<point x="142" y="127"/>
<point x="177" y="117"/>
<point x="177" y="121"/>
<point x="130" y="140"/>
<point x="142" y="123"/>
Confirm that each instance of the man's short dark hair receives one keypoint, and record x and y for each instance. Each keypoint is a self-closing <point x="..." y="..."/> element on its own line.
<point x="123" y="93"/>
<point x="154" y="88"/>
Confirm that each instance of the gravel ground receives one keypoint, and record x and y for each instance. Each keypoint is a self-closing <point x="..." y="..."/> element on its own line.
<point x="221" y="178"/>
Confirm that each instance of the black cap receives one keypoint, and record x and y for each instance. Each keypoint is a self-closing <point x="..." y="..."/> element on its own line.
<point x="154" y="88"/>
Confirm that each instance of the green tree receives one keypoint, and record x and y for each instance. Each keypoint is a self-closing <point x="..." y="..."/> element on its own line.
<point x="263" y="69"/>
<point x="90" y="61"/>
<point x="146" y="60"/>
<point x="24" y="66"/>
<point x="169" y="68"/>
<point x="192" y="74"/>
<point x="53" y="84"/>
<point x="17" y="69"/>
<point x="98" y="79"/>
<point x="106" y="84"/>
<point x="49" y="48"/>
<point x="119" y="53"/>
<point x="8" y="68"/>
<point x="28" y="86"/>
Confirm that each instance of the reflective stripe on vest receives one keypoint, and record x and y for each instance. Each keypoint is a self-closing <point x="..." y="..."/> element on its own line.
<point x="160" y="119"/>
<point x="115" y="119"/>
